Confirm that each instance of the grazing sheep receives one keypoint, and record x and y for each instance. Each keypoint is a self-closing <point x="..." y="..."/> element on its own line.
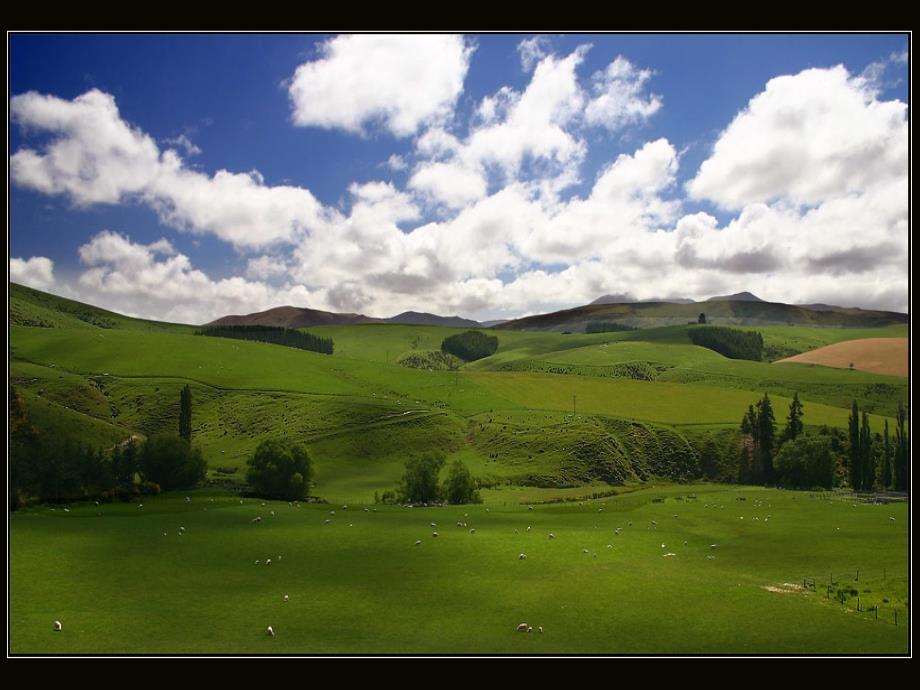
<point x="258" y="518"/>
<point x="241" y="501"/>
<point x="712" y="546"/>
<point x="418" y="542"/>
<point x="181" y="528"/>
<point x="327" y="521"/>
<point x="188" y="499"/>
<point x="515" y="530"/>
<point x="344" y="507"/>
<point x="285" y="597"/>
<point x="669" y="554"/>
<point x="528" y="528"/>
<point x="584" y="550"/>
<point x="57" y="626"/>
<point x="685" y="543"/>
<point x="522" y="627"/>
<point x="164" y="534"/>
<point x="269" y="631"/>
<point x="268" y="561"/>
<point x="609" y="546"/>
<point x="66" y="510"/>
<point x="522" y="557"/>
<point x="263" y="504"/>
<point x="332" y="512"/>
<point x="472" y="530"/>
<point x="629" y="523"/>
<point x="279" y="557"/>
<point x="257" y="561"/>
<point x="140" y="505"/>
<point x="891" y="518"/>
<point x="529" y="629"/>
<point x="552" y="536"/>
<point x="433" y="524"/>
<point x="434" y="534"/>
<point x="273" y="513"/>
<point x="654" y="524"/>
<point x="540" y="628"/>
<point x="711" y="557"/>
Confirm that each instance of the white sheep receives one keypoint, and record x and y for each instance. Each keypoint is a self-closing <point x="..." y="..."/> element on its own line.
<point x="662" y="546"/>
<point x="269" y="631"/>
<point x="528" y="528"/>
<point x="434" y="534"/>
<point x="669" y="554"/>
<point x="257" y="561"/>
<point x="540" y="628"/>
<point x="584" y="550"/>
<point x="273" y="513"/>
<point x="258" y="518"/>
<point x="472" y="530"/>
<point x="433" y="524"/>
<point x="418" y="542"/>
<point x="57" y="626"/>
<point x="522" y="557"/>
<point x="552" y="536"/>
<point x="268" y="561"/>
<point x="712" y="546"/>
<point x="327" y="521"/>
<point x="188" y="499"/>
<point x="285" y="597"/>
<point x="522" y="627"/>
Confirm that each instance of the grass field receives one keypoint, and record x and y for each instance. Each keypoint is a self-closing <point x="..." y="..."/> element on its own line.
<point x="360" y="585"/>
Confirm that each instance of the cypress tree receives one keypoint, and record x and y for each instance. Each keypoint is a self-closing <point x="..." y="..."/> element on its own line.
<point x="901" y="451"/>
<point x="866" y="458"/>
<point x="886" y="460"/>
<point x="855" y="469"/>
<point x="794" y="426"/>
<point x="766" y="424"/>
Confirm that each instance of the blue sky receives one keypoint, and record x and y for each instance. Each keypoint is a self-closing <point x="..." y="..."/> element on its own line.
<point x="525" y="173"/>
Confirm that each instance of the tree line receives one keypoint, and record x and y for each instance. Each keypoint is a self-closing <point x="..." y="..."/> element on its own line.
<point x="57" y="468"/>
<point x="470" y="345"/>
<point x="730" y="342"/>
<point x="276" y="335"/>
<point x="795" y="459"/>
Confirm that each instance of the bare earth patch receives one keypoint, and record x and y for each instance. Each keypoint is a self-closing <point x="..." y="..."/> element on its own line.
<point x="877" y="355"/>
<point x="785" y="588"/>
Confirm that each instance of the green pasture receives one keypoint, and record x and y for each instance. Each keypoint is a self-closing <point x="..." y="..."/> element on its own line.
<point x="121" y="579"/>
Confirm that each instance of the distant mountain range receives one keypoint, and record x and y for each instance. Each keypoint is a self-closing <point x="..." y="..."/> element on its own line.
<point x="742" y="309"/>
<point x="301" y="317"/>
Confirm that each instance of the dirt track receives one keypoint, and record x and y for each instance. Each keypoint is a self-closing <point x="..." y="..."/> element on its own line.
<point x="877" y="355"/>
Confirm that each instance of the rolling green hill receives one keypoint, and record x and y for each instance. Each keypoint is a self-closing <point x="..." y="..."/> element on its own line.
<point x="362" y="413"/>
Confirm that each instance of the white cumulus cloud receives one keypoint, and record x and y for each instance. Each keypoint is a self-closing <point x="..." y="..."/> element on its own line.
<point x="36" y="272"/>
<point x="399" y="81"/>
<point x="806" y="138"/>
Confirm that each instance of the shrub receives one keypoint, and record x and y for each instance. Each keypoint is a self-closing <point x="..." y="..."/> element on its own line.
<point x="171" y="462"/>
<point x="459" y="486"/>
<point x="280" y="469"/>
<point x="805" y="462"/>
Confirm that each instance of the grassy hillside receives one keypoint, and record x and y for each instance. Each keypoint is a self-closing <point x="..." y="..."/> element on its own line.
<point x="362" y="414"/>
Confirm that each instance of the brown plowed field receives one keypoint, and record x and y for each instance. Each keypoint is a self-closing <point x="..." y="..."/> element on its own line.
<point x="878" y="355"/>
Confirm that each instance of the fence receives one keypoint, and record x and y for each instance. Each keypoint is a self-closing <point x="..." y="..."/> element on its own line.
<point x="842" y="586"/>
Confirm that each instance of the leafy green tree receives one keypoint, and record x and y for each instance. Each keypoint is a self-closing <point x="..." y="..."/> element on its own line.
<point x="702" y="318"/>
<point x="794" y="426"/>
<point x="185" y="414"/>
<point x="459" y="486"/>
<point x="171" y="462"/>
<point x="280" y="469"/>
<point x="710" y="459"/>
<point x="420" y="480"/>
<point x="806" y="462"/>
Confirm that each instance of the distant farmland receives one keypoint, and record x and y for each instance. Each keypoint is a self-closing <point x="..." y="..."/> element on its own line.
<point x="876" y="355"/>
